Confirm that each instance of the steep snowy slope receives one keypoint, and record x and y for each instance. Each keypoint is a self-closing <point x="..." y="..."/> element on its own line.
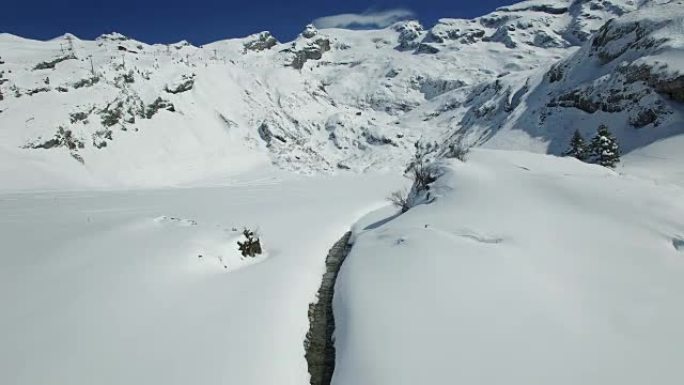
<point x="628" y="76"/>
<point x="116" y="111"/>
<point x="108" y="105"/>
<point x="525" y="269"/>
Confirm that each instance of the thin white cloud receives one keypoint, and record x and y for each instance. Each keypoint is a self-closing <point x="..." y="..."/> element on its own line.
<point x="368" y="19"/>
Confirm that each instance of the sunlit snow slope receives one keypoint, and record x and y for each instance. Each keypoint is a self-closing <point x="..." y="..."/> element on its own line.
<point x="148" y="287"/>
<point x="526" y="269"/>
<point x="127" y="171"/>
<point x="117" y="112"/>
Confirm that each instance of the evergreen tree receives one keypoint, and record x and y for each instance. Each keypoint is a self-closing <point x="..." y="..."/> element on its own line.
<point x="578" y="148"/>
<point x="604" y="148"/>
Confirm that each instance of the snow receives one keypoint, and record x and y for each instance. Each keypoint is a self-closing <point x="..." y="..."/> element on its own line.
<point x="107" y="287"/>
<point x="526" y="269"/>
<point x="119" y="259"/>
<point x="660" y="161"/>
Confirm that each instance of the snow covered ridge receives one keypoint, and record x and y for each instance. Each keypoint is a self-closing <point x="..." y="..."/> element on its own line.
<point x="628" y="76"/>
<point x="543" y="24"/>
<point x="525" y="269"/>
<point x="116" y="111"/>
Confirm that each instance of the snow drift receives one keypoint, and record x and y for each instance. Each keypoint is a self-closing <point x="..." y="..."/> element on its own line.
<point x="525" y="269"/>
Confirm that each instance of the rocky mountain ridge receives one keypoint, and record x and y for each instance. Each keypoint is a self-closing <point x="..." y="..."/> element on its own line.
<point x="522" y="77"/>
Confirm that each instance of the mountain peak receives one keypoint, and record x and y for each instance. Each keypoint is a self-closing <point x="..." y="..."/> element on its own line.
<point x="338" y="99"/>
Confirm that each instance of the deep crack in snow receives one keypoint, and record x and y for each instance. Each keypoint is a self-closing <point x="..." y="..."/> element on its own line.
<point x="319" y="344"/>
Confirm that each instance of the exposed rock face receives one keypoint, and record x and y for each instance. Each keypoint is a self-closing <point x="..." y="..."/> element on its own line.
<point x="432" y="88"/>
<point x="592" y="99"/>
<point x="185" y="83"/>
<point x="158" y="104"/>
<point x="52" y="63"/>
<point x="671" y="85"/>
<point x="319" y="345"/>
<point x="537" y="24"/>
<point x="86" y="82"/>
<point x="62" y="138"/>
<point x="629" y="84"/>
<point x="267" y="135"/>
<point x="614" y="39"/>
<point x="309" y="31"/>
<point x="463" y="31"/>
<point x="555" y="74"/>
<point x="643" y="118"/>
<point x="114" y="36"/>
<point x="427" y="48"/>
<point x="409" y="34"/>
<point x="552" y="9"/>
<point x="260" y="42"/>
<point x="312" y="51"/>
<point x="181" y="44"/>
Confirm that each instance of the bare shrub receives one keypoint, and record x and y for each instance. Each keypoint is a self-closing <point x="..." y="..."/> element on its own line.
<point x="423" y="173"/>
<point x="400" y="199"/>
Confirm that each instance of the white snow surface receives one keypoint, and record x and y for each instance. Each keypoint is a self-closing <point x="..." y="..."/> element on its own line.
<point x="526" y="269"/>
<point x="106" y="287"/>
<point x="128" y="170"/>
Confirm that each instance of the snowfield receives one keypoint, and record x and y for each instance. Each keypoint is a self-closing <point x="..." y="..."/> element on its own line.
<point x="128" y="171"/>
<point x="108" y="287"/>
<point x="526" y="269"/>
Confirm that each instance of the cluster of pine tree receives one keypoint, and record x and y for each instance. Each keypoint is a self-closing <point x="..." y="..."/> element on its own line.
<point x="603" y="149"/>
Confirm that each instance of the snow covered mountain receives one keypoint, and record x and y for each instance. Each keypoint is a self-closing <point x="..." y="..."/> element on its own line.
<point x="628" y="76"/>
<point x="116" y="111"/>
<point x="508" y="265"/>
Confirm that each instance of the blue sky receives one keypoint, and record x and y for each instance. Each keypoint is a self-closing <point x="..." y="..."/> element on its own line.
<point x="204" y="21"/>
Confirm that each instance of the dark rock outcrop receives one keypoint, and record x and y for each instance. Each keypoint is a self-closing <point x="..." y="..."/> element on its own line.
<point x="319" y="344"/>
<point x="158" y="104"/>
<point x="184" y="84"/>
<point x="312" y="51"/>
<point x="63" y="138"/>
<point x="309" y="31"/>
<point x="267" y="135"/>
<point x="52" y="63"/>
<point x="427" y="49"/>
<point x="670" y="85"/>
<point x="637" y="37"/>
<point x="409" y="32"/>
<point x="263" y="41"/>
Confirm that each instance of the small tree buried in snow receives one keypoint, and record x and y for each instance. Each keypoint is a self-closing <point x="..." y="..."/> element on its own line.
<point x="604" y="149"/>
<point x="251" y="246"/>
<point x="400" y="199"/>
<point x="578" y="147"/>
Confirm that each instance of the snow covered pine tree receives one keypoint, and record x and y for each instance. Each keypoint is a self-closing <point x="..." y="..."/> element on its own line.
<point x="604" y="148"/>
<point x="578" y="147"/>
